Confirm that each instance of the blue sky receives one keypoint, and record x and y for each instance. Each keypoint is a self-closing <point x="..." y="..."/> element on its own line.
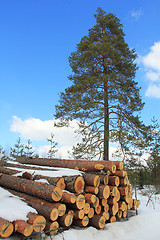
<point x="36" y="39"/>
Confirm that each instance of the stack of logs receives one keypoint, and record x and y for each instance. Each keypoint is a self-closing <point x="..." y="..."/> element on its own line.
<point x="100" y="194"/>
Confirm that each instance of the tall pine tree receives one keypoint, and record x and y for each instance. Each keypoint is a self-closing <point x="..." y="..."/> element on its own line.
<point x="103" y="91"/>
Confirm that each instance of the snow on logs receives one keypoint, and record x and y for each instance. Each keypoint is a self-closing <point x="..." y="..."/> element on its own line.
<point x="101" y="194"/>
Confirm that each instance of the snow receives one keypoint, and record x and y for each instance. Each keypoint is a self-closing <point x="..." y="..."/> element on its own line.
<point x="144" y="226"/>
<point x="13" y="208"/>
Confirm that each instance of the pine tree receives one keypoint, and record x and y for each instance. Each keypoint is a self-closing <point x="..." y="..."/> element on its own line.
<point x="103" y="92"/>
<point x="53" y="144"/>
<point x="18" y="149"/>
<point x="3" y="155"/>
<point x="28" y="149"/>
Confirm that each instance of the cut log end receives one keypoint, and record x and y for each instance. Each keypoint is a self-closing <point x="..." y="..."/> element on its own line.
<point x="80" y="201"/>
<point x="56" y="194"/>
<point x="52" y="228"/>
<point x="23" y="227"/>
<point x="38" y="222"/>
<point x="79" y="184"/>
<point x="6" y="228"/>
<point x="54" y="214"/>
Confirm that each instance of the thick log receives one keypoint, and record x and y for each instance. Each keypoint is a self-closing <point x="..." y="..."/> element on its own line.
<point x="66" y="220"/>
<point x="91" y="212"/>
<point x="113" y="180"/>
<point x="81" y="222"/>
<point x="64" y="163"/>
<point x="23" y="227"/>
<point x="38" y="189"/>
<point x="8" y="170"/>
<point x="104" y="191"/>
<point x="121" y="173"/>
<point x="56" y="181"/>
<point x="51" y="228"/>
<point x="79" y="204"/>
<point x="37" y="221"/>
<point x="91" y="179"/>
<point x="74" y="184"/>
<point x="98" y="221"/>
<point x="91" y="189"/>
<point x="6" y="228"/>
<point x="68" y="197"/>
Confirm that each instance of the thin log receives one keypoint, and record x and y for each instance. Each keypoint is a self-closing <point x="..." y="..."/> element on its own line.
<point x="64" y="163"/>
<point x="112" y="200"/>
<point x="112" y="219"/>
<point x="122" y="205"/>
<point x="74" y="184"/>
<point x="38" y="189"/>
<point x="79" y="204"/>
<point x="124" y="214"/>
<point x="68" y="197"/>
<point x="91" y="212"/>
<point x="119" y="164"/>
<point x="8" y="170"/>
<point x="81" y="222"/>
<point x="104" y="191"/>
<point x="86" y="208"/>
<point x="38" y="221"/>
<point x="98" y="221"/>
<point x="51" y="228"/>
<point x="91" y="199"/>
<point x="6" y="228"/>
<point x="106" y="215"/>
<point x="121" y="173"/>
<point x="91" y="179"/>
<point x="106" y="208"/>
<point x="91" y="189"/>
<point x="98" y="209"/>
<point x="123" y="190"/>
<point x="78" y="214"/>
<point x="119" y="214"/>
<point x="113" y="209"/>
<point x="66" y="220"/>
<point x="103" y="201"/>
<point x="113" y="190"/>
<point x="23" y="227"/>
<point x="123" y="181"/>
<point x="113" y="180"/>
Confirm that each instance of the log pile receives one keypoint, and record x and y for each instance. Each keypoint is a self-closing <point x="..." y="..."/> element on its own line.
<point x="100" y="194"/>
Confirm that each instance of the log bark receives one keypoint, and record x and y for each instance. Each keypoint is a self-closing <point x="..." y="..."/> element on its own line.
<point x="112" y="200"/>
<point x="23" y="227"/>
<point x="38" y="189"/>
<point x="56" y="181"/>
<point x="37" y="221"/>
<point x="6" y="228"/>
<point x="92" y="199"/>
<point x="119" y="173"/>
<point x="104" y="192"/>
<point x="8" y="170"/>
<point x="51" y="228"/>
<point x="119" y="164"/>
<point x="79" y="204"/>
<point x="68" y="197"/>
<point x="64" y="163"/>
<point x="78" y="214"/>
<point x="74" y="184"/>
<point x="98" y="221"/>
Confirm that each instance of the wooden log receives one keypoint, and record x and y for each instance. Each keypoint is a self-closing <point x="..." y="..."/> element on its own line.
<point x="98" y="221"/>
<point x="23" y="227"/>
<point x="104" y="191"/>
<point x="122" y="205"/>
<point x="91" y="179"/>
<point x="103" y="178"/>
<point x="37" y="221"/>
<point x="51" y="228"/>
<point x="91" y="212"/>
<point x="121" y="173"/>
<point x="113" y="191"/>
<point x="119" y="214"/>
<point x="81" y="222"/>
<point x="50" y="213"/>
<point x="86" y="208"/>
<point x="74" y="184"/>
<point x="66" y="220"/>
<point x="119" y="164"/>
<point x="6" y="228"/>
<point x="91" y="189"/>
<point x="56" y="181"/>
<point x="112" y="219"/>
<point x="113" y="180"/>
<point x="38" y="189"/>
<point x="108" y="165"/>
<point x="68" y="197"/>
<point x="79" y="204"/>
<point x="78" y="214"/>
<point x="8" y="170"/>
<point x="124" y="214"/>
<point x="106" y="208"/>
<point x="106" y="215"/>
<point x="103" y="201"/>
<point x="123" y="190"/>
<point x="118" y="195"/>
<point x="113" y="209"/>
<point x="112" y="200"/>
<point x="98" y="209"/>
<point x="92" y="199"/>
<point x="64" y="163"/>
<point x="123" y="181"/>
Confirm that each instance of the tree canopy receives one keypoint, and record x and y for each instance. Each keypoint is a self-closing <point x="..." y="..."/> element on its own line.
<point x="104" y="95"/>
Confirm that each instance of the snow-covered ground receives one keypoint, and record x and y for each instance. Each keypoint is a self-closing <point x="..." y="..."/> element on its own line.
<point x="144" y="226"/>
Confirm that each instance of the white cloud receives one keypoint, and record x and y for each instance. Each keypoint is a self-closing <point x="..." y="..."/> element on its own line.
<point x="136" y="14"/>
<point x="153" y="91"/>
<point x="152" y="65"/>
<point x="36" y="129"/>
